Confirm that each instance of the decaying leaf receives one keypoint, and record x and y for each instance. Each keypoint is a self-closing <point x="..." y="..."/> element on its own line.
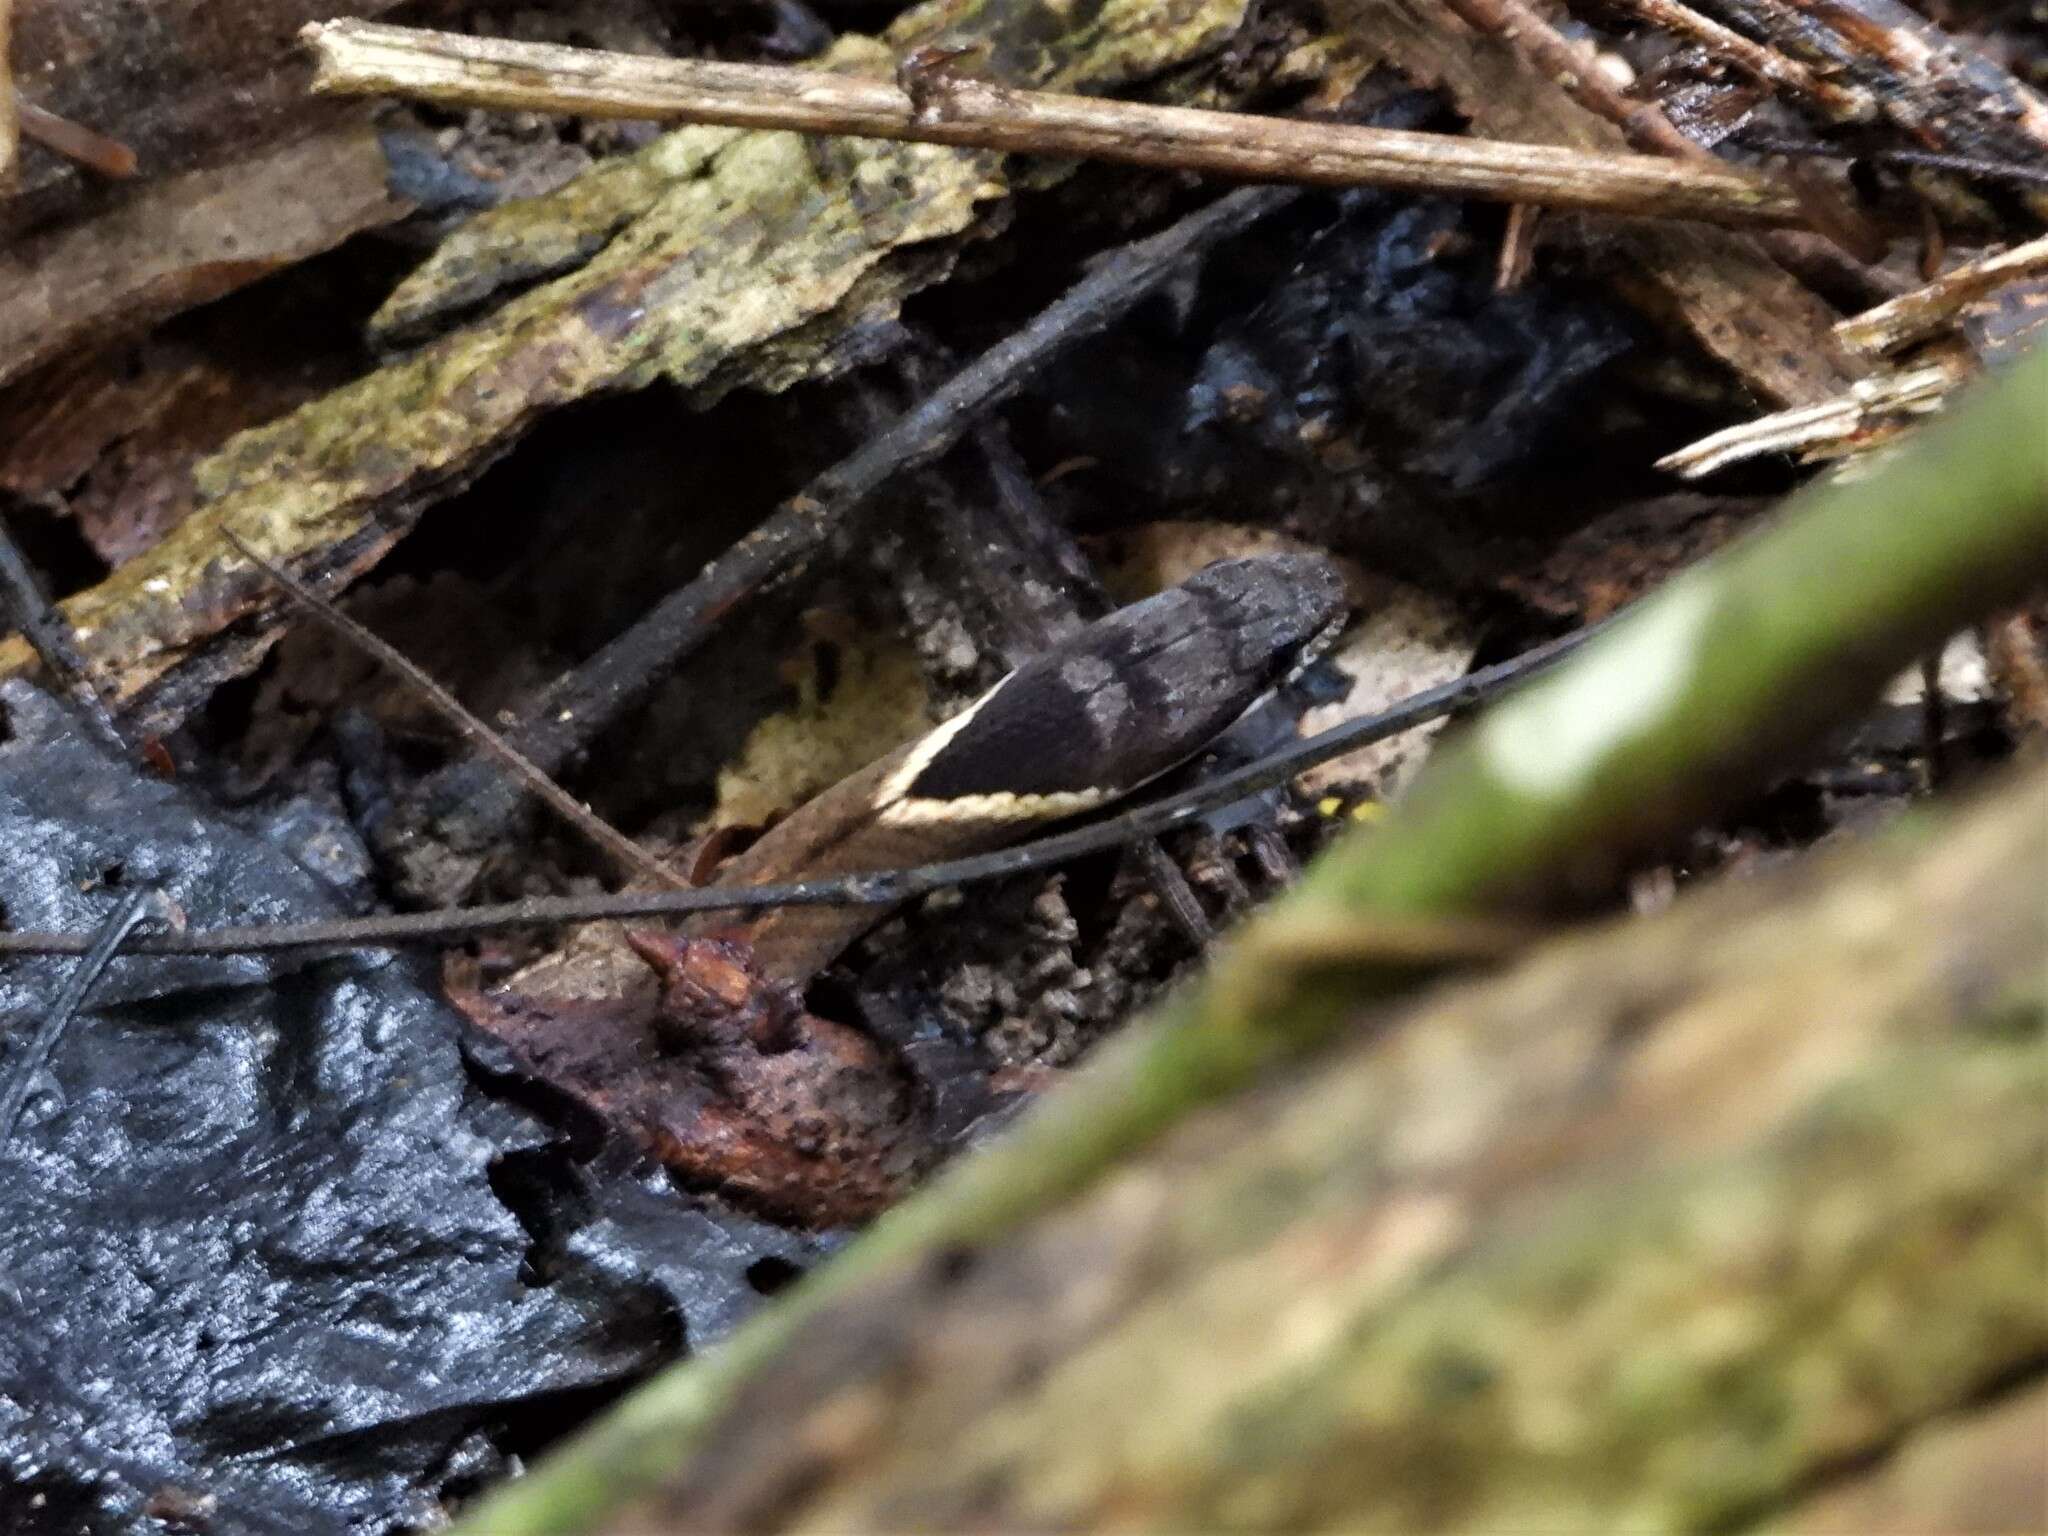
<point x="726" y="1079"/>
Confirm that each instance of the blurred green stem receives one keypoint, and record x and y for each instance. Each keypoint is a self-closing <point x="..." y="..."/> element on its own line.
<point x="1684" y="707"/>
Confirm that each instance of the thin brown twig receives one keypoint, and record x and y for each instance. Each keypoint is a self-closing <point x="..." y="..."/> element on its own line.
<point x="366" y="58"/>
<point x="630" y="856"/>
<point x="74" y="141"/>
<point x="1517" y="248"/>
<point x="1925" y="311"/>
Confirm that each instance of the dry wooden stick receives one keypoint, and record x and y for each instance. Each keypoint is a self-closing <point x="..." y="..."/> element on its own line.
<point x="1829" y="428"/>
<point x="365" y="58"/>
<point x="1925" y="311"/>
<point x="631" y="858"/>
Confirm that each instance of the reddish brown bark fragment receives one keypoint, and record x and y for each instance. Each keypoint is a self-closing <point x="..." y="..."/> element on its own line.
<point x="728" y="1081"/>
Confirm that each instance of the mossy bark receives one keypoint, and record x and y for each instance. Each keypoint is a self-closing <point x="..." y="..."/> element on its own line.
<point x="714" y="259"/>
<point x="1656" y="1231"/>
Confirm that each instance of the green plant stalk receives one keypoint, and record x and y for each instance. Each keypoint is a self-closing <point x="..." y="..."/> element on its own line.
<point x="1683" y="706"/>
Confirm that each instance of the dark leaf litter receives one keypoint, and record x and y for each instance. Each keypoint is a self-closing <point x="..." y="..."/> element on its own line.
<point x="268" y="1250"/>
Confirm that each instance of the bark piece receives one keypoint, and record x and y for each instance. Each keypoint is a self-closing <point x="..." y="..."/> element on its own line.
<point x="110" y="438"/>
<point x="177" y="241"/>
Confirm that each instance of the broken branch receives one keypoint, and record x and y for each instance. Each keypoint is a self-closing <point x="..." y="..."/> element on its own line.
<point x="1843" y="424"/>
<point x="1923" y="312"/>
<point x="366" y="58"/>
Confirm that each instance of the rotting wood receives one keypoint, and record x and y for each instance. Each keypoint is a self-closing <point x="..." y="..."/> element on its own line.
<point x="1766" y="65"/>
<point x="1949" y="96"/>
<point x="362" y="58"/>
<point x="741" y="267"/>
